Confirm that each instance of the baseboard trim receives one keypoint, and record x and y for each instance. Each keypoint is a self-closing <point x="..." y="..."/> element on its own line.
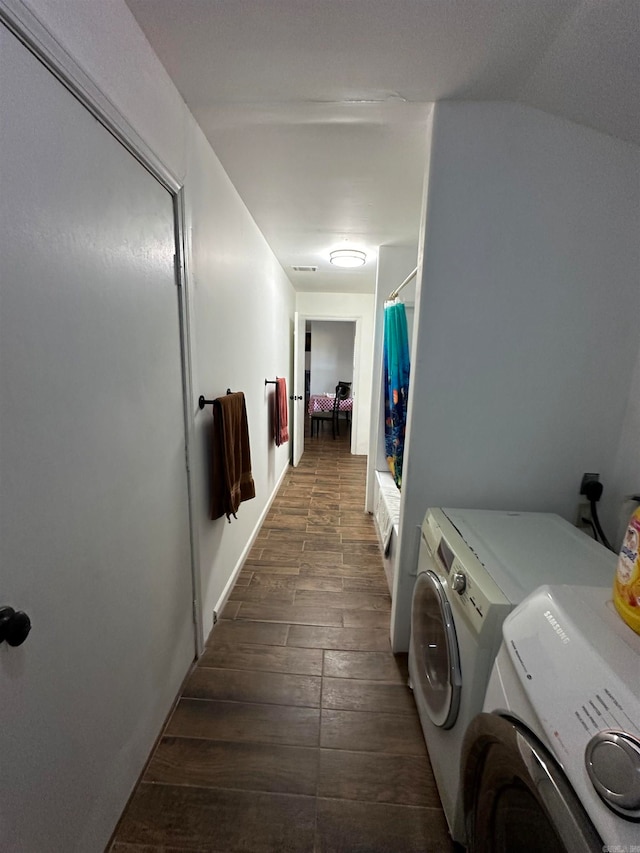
<point x="226" y="592"/>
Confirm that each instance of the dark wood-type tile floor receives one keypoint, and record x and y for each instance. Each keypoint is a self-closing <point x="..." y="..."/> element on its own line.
<point x="296" y="731"/>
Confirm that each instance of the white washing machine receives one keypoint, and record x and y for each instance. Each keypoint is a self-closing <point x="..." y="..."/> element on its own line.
<point x="474" y="566"/>
<point x="553" y="762"/>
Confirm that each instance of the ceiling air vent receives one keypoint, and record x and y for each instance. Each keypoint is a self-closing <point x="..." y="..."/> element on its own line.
<point x="305" y="269"/>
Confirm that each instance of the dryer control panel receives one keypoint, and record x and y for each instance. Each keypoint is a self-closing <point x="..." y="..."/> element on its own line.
<point x="472" y="593"/>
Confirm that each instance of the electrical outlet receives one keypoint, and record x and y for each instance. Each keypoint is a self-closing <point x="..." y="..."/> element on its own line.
<point x="583" y="511"/>
<point x="588" y="478"/>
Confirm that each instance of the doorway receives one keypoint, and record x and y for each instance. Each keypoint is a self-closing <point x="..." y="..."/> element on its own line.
<point x="329" y="355"/>
<point x="326" y="352"/>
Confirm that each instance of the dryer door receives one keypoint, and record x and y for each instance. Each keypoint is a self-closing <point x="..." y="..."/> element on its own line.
<point x="516" y="796"/>
<point x="434" y="660"/>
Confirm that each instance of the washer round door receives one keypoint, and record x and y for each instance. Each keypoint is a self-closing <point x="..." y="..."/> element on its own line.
<point x="434" y="660"/>
<point x="516" y="796"/>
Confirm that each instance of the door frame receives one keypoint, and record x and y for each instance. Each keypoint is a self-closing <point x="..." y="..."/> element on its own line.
<point x="44" y="46"/>
<point x="331" y="318"/>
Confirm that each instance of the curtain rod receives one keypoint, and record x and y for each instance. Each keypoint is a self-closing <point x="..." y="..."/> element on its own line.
<point x="395" y="292"/>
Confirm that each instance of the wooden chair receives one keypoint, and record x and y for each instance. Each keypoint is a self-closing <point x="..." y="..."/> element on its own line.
<point x="343" y="390"/>
<point x="331" y="415"/>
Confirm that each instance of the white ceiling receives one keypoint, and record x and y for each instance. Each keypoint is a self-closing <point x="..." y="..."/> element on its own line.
<point x="317" y="108"/>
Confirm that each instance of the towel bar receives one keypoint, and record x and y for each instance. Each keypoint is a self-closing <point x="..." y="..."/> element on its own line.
<point x="202" y="402"/>
<point x="270" y="381"/>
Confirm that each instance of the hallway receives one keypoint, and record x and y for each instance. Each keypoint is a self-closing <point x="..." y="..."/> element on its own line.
<point x="296" y="731"/>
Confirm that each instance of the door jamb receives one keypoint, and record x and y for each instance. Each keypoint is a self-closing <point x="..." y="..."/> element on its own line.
<point x="183" y="279"/>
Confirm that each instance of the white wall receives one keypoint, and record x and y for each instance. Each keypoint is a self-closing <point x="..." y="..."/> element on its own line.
<point x="358" y="307"/>
<point x="623" y="479"/>
<point x="332" y="344"/>
<point x="242" y="310"/>
<point x="527" y="337"/>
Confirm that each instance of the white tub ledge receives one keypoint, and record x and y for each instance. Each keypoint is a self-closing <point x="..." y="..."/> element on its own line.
<point x="386" y="515"/>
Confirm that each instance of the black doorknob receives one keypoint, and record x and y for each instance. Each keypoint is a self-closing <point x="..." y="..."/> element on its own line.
<point x="14" y="626"/>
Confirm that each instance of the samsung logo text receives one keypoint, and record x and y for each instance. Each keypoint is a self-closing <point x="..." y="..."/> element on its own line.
<point x="548" y="615"/>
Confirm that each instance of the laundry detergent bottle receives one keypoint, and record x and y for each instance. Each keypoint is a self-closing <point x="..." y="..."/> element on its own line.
<point x="626" y="586"/>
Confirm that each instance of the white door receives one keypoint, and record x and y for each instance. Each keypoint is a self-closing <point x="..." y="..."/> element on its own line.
<point x="94" y="529"/>
<point x="299" y="328"/>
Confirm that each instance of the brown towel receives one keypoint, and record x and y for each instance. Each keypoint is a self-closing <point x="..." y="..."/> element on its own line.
<point x="232" y="481"/>
<point x="282" y="412"/>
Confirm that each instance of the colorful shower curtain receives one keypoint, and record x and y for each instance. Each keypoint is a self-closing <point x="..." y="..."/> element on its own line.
<point x="396" y="384"/>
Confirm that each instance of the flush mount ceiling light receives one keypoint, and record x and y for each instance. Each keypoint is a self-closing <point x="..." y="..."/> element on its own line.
<point x="347" y="257"/>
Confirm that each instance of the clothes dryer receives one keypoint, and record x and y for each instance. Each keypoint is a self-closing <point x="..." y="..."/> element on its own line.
<point x="474" y="567"/>
<point x="553" y="762"/>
